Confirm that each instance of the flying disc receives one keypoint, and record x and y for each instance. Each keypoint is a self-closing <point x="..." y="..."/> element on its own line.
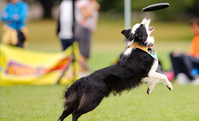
<point x="154" y="7"/>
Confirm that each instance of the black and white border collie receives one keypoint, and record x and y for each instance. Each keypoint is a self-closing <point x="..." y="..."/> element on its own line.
<point x="135" y="67"/>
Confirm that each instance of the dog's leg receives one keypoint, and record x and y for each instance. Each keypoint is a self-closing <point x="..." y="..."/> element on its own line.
<point x="150" y="82"/>
<point x="150" y="88"/>
<point x="157" y="77"/>
<point x="87" y="104"/>
<point x="66" y="113"/>
<point x="154" y="78"/>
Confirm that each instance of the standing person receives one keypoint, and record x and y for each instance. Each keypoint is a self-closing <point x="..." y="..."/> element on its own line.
<point x="14" y="16"/>
<point x="86" y="15"/>
<point x="185" y="65"/>
<point x="64" y="25"/>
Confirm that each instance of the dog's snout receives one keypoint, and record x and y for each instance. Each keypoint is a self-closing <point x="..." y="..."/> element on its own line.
<point x="146" y="21"/>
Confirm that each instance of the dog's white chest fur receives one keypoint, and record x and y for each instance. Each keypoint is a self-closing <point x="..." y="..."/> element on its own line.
<point x="155" y="65"/>
<point x="128" y="51"/>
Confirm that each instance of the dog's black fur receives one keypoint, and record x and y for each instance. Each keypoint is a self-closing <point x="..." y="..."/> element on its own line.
<point x="87" y="92"/>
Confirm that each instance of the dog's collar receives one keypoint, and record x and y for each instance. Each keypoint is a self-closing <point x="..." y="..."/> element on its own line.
<point x="150" y="50"/>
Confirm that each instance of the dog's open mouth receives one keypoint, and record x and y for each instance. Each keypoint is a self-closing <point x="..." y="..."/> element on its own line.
<point x="151" y="28"/>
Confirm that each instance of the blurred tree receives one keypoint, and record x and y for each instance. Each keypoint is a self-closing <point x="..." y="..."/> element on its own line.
<point x="193" y="10"/>
<point x="112" y="6"/>
<point x="47" y="7"/>
<point x="46" y="4"/>
<point x="178" y="8"/>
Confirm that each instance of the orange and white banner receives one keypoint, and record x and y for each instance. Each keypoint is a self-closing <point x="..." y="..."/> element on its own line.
<point x="21" y="66"/>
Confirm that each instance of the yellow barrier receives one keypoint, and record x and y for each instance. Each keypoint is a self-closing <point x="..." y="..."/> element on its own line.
<point x="21" y="66"/>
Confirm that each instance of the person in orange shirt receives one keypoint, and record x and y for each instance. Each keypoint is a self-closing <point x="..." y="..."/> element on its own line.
<point x="186" y="65"/>
<point x="194" y="50"/>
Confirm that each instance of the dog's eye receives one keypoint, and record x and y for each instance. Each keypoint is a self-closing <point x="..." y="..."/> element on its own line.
<point x="131" y="37"/>
<point x="137" y="35"/>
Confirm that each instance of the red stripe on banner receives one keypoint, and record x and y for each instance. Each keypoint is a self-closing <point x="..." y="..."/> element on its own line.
<point x="15" y="68"/>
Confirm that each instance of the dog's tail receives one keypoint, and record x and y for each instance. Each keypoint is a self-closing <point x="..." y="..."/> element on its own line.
<point x="72" y="94"/>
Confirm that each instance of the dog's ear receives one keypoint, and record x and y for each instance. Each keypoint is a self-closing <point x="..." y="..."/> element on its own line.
<point x="126" y="32"/>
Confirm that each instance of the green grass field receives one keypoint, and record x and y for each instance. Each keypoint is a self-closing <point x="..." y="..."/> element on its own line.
<point x="44" y="103"/>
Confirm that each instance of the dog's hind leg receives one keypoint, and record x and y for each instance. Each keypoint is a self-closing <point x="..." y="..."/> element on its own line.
<point x="87" y="104"/>
<point x="66" y="113"/>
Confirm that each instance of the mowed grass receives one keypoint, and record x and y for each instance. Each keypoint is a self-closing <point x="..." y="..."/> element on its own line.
<point x="44" y="103"/>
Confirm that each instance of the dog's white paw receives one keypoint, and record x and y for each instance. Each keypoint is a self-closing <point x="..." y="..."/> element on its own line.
<point x="148" y="91"/>
<point x="150" y="88"/>
<point x="170" y="87"/>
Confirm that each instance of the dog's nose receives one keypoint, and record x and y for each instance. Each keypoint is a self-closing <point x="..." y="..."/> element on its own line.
<point x="146" y="21"/>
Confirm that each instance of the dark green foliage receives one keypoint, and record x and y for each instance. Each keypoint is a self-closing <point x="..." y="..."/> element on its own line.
<point x="178" y="10"/>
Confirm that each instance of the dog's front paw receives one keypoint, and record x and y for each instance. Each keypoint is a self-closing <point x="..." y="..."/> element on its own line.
<point x="170" y="87"/>
<point x="150" y="88"/>
<point x="148" y="91"/>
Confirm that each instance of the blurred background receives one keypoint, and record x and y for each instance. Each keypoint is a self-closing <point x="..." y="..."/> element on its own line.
<point x="172" y="30"/>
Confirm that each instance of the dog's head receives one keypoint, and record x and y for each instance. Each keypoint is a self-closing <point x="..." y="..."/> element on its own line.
<point x="140" y="33"/>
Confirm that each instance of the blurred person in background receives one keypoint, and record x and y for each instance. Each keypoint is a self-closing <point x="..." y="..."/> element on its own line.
<point x="186" y="65"/>
<point x="14" y="16"/>
<point x="86" y="14"/>
<point x="64" y="23"/>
